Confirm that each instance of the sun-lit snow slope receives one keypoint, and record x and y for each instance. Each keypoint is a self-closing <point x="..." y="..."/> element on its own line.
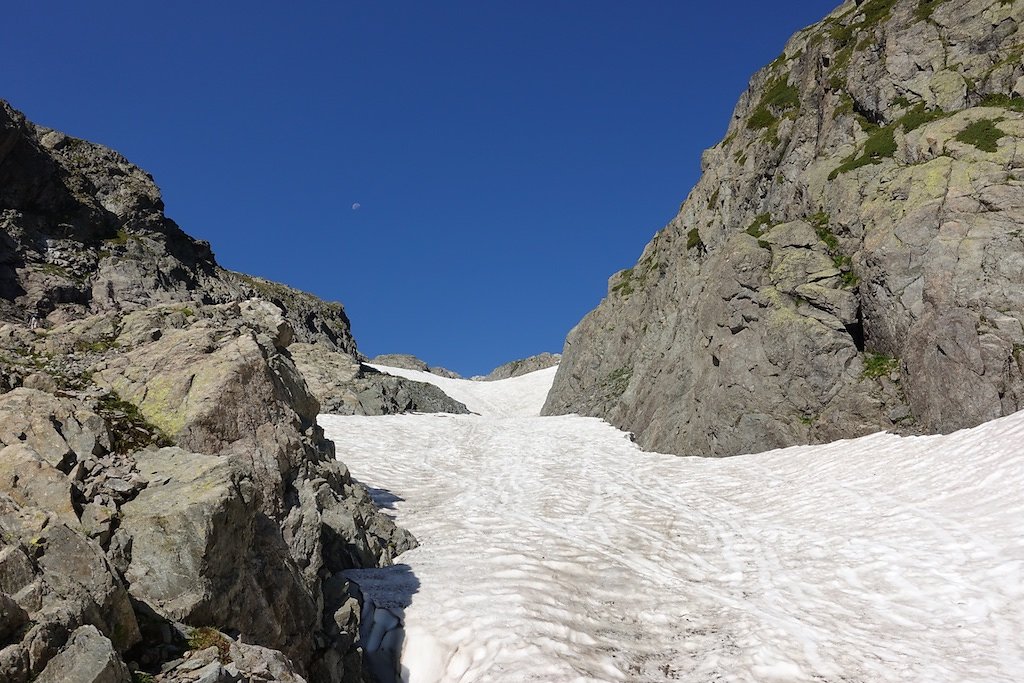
<point x="521" y="396"/>
<point x="552" y="549"/>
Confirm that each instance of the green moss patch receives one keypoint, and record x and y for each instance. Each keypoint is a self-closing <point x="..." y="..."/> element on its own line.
<point x="624" y="287"/>
<point x="762" y="223"/>
<point x="983" y="134"/>
<point x="879" y="365"/>
<point x="205" y="637"/>
<point x="1004" y="101"/>
<point x="881" y="145"/>
<point x="926" y="7"/>
<point x="693" y="240"/>
<point x="919" y="116"/>
<point x="843" y="263"/>
<point x="130" y="431"/>
<point x="617" y="381"/>
<point x="779" y="99"/>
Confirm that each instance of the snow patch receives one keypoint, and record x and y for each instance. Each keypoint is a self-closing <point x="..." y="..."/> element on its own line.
<point x="552" y="549"/>
<point x="521" y="396"/>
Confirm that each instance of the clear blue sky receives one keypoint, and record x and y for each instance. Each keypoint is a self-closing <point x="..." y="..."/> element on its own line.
<point x="507" y="157"/>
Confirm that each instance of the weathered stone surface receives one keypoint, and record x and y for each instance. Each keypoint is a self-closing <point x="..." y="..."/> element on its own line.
<point x="851" y="259"/>
<point x="31" y="481"/>
<point x="62" y="582"/>
<point x="217" y="387"/>
<point x="53" y="427"/>
<point x="203" y="553"/>
<point x="88" y="658"/>
<point x="344" y="386"/>
<point x="524" y="366"/>
<point x="122" y="336"/>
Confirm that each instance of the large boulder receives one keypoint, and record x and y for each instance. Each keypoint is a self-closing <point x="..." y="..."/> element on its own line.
<point x="56" y="428"/>
<point x="219" y="386"/>
<point x="240" y="524"/>
<point x="203" y="553"/>
<point x="88" y="658"/>
<point x="60" y="581"/>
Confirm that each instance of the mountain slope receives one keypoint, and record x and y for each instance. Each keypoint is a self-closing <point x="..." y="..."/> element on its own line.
<point x="852" y="258"/>
<point x="552" y="549"/>
<point x="168" y="501"/>
<point x="83" y="231"/>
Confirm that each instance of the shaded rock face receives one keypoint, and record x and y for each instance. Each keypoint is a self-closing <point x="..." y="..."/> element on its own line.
<point x="524" y="366"/>
<point x="344" y="386"/>
<point x="852" y="258"/>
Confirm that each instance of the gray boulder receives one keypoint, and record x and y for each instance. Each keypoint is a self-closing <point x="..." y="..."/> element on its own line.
<point x="61" y="581"/>
<point x="88" y="658"/>
<point x="203" y="553"/>
<point x="55" y="428"/>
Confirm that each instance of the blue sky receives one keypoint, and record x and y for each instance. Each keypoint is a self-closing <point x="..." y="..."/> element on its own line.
<point x="506" y="157"/>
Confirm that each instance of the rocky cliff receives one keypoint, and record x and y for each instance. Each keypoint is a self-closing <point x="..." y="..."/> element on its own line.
<point x="852" y="258"/>
<point x="169" y="508"/>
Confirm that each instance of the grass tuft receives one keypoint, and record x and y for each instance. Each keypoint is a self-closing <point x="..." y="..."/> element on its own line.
<point x="983" y="134"/>
<point x="879" y="365"/>
<point x="204" y="637"/>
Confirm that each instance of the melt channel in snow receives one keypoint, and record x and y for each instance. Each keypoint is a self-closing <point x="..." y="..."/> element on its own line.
<point x="553" y="549"/>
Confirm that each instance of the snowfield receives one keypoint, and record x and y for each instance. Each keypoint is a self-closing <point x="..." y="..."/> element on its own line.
<point x="552" y="549"/>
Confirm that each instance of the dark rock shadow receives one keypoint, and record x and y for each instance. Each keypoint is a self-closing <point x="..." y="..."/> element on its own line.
<point x="384" y="593"/>
<point x="383" y="498"/>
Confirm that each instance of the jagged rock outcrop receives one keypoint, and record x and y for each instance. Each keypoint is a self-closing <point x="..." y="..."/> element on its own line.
<point x="524" y="366"/>
<point x="82" y="231"/>
<point x="239" y="527"/>
<point x="168" y="503"/>
<point x="852" y="258"/>
<point x="345" y="386"/>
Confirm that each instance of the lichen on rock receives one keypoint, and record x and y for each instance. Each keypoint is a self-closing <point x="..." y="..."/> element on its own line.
<point x="892" y="129"/>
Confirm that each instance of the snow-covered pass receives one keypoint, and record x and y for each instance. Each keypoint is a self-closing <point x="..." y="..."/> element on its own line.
<point x="552" y="549"/>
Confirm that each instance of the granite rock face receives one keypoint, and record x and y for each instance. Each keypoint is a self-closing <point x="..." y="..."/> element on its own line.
<point x="239" y="528"/>
<point x="852" y="258"/>
<point x="168" y="503"/>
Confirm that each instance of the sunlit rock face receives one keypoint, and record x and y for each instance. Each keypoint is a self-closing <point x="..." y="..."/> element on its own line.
<point x="852" y="258"/>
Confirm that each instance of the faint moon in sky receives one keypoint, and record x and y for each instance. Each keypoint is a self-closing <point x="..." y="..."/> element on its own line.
<point x="356" y="206"/>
